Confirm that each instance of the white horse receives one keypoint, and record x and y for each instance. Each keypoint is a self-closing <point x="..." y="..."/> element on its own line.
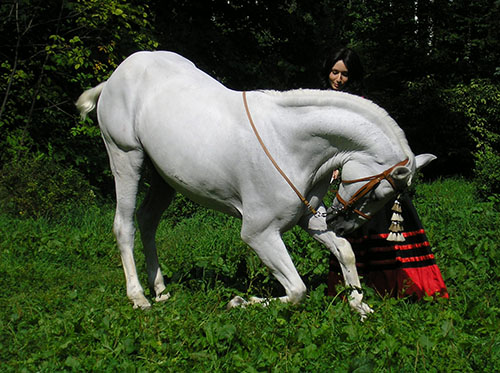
<point x="200" y="140"/>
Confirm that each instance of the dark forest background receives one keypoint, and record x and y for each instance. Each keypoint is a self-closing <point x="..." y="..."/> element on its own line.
<point x="434" y="65"/>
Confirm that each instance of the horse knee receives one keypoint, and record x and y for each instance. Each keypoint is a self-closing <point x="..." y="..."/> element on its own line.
<point x="124" y="233"/>
<point x="297" y="294"/>
<point x="347" y="257"/>
<point x="344" y="253"/>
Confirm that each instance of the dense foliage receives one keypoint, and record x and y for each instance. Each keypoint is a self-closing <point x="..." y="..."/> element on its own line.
<point x="63" y="304"/>
<point x="420" y="57"/>
<point x="479" y="103"/>
<point x="50" y="52"/>
<point x="34" y="187"/>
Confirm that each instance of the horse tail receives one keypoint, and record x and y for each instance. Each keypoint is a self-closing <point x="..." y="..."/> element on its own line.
<point x="88" y="99"/>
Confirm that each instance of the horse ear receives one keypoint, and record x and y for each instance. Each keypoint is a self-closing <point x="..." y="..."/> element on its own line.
<point x="424" y="159"/>
<point x="402" y="175"/>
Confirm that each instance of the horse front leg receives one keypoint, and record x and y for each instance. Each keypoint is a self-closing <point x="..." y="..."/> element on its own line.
<point x="343" y="252"/>
<point x="270" y="248"/>
<point x="316" y="226"/>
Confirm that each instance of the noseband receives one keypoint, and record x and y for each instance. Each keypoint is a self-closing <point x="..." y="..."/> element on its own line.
<point x="372" y="182"/>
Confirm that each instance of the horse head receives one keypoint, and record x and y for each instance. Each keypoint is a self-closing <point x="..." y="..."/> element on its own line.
<point x="359" y="198"/>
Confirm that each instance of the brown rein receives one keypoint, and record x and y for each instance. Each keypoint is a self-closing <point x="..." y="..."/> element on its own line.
<point x="302" y="198"/>
<point x="366" y="188"/>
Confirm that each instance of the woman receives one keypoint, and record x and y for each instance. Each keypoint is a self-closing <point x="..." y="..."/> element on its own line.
<point x="399" y="269"/>
<point x="342" y="67"/>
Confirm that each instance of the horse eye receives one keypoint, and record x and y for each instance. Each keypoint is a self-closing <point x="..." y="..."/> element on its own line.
<point x="374" y="197"/>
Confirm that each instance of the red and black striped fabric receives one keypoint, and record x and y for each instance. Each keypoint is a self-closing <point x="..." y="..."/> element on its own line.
<point x="396" y="268"/>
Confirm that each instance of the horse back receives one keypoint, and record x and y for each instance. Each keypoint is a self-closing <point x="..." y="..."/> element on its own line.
<point x="192" y="128"/>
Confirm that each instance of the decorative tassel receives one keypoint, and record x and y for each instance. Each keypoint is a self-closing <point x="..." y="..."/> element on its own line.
<point x="397" y="217"/>
<point x="396" y="227"/>
<point x="395" y="237"/>
<point x="397" y="206"/>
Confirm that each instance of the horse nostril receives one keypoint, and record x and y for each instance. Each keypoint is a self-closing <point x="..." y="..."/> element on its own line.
<point x="338" y="230"/>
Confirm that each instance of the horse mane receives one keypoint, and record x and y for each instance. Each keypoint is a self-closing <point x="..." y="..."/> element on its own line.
<point x="365" y="107"/>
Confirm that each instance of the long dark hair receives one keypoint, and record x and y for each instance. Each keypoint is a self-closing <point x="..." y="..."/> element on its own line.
<point x="354" y="66"/>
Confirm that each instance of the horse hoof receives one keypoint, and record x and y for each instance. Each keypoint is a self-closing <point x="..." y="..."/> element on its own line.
<point x="142" y="306"/>
<point x="237" y="301"/>
<point x="262" y="301"/>
<point x="141" y="303"/>
<point x="364" y="311"/>
<point x="162" y="297"/>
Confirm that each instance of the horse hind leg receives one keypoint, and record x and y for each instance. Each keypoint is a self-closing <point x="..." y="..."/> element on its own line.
<point x="157" y="199"/>
<point x="126" y="168"/>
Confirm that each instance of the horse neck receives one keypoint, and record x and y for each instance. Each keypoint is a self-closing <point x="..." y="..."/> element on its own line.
<point x="351" y="136"/>
<point x="345" y="129"/>
<point x="367" y="142"/>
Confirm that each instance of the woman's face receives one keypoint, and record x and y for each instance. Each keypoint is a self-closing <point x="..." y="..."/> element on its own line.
<point x="338" y="76"/>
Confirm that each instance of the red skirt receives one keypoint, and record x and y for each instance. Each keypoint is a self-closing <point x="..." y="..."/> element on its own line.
<point x="397" y="269"/>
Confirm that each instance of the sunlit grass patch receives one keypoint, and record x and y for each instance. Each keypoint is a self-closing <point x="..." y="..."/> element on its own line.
<point x="63" y="304"/>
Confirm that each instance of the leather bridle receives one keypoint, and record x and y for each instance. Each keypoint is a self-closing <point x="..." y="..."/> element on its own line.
<point x="372" y="183"/>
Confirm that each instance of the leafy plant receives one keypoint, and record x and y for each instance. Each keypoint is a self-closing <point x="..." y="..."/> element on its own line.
<point x="52" y="51"/>
<point x="64" y="305"/>
<point x="37" y="186"/>
<point x="478" y="103"/>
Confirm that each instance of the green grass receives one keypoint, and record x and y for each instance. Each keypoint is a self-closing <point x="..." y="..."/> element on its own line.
<point x="63" y="305"/>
